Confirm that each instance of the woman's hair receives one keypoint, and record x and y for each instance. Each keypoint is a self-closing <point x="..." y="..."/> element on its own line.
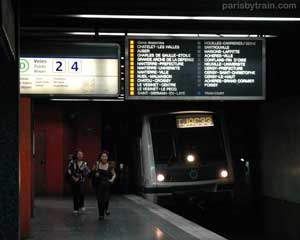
<point x="103" y="152"/>
<point x="74" y="157"/>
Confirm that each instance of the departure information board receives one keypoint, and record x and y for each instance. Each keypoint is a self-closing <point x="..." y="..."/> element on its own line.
<point x="195" y="69"/>
<point x="71" y="70"/>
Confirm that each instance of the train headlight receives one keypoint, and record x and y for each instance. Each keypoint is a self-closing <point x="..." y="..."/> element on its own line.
<point x="190" y="158"/>
<point x="224" y="173"/>
<point x="160" y="177"/>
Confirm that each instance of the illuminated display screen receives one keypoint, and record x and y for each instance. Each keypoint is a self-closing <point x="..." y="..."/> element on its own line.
<point x="70" y="74"/>
<point x="194" y="121"/>
<point x="195" y="69"/>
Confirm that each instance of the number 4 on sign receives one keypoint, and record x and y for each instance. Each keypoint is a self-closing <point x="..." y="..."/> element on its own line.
<point x="74" y="66"/>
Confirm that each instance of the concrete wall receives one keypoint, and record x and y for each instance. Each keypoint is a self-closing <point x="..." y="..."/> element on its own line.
<point x="280" y="167"/>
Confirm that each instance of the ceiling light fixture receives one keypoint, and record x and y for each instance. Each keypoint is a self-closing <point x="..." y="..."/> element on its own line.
<point x="197" y="18"/>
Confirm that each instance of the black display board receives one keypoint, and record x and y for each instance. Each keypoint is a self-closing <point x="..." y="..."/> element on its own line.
<point x="195" y="69"/>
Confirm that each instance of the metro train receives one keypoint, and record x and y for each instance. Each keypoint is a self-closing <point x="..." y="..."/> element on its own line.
<point x="183" y="152"/>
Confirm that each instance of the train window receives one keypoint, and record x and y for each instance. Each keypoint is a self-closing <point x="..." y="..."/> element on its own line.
<point x="173" y="144"/>
<point x="204" y="143"/>
<point x="163" y="146"/>
<point x="163" y="122"/>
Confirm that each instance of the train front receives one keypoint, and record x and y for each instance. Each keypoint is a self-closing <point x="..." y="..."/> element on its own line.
<point x="188" y="152"/>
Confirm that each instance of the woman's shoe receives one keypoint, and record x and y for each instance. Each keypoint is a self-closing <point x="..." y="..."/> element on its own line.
<point x="107" y="213"/>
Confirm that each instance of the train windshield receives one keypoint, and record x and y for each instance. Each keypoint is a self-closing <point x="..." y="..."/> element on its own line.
<point x="187" y="139"/>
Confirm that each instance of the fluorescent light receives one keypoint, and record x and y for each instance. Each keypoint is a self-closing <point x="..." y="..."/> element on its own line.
<point x="70" y="99"/>
<point x="238" y="35"/>
<point x="270" y="36"/>
<point x="82" y="33"/>
<point x="163" y="34"/>
<point x="119" y="99"/>
<point x="99" y="33"/>
<point x="108" y="100"/>
<point x="273" y="19"/>
<point x="247" y="35"/>
<point x="208" y="35"/>
<point x="166" y="34"/>
<point x="132" y="17"/>
<point x="198" y="18"/>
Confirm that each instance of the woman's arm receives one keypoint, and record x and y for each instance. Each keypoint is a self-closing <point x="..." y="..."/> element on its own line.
<point x="70" y="167"/>
<point x="94" y="172"/>
<point x="75" y="179"/>
<point x="114" y="175"/>
<point x="71" y="171"/>
<point x="87" y="171"/>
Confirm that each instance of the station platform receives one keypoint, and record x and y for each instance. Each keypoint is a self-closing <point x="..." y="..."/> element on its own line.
<point x="132" y="218"/>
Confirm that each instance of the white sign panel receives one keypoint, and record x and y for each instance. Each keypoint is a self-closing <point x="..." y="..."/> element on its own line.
<point x="69" y="76"/>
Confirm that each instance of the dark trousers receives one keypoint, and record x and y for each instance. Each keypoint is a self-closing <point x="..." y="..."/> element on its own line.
<point x="78" y="195"/>
<point x="103" y="195"/>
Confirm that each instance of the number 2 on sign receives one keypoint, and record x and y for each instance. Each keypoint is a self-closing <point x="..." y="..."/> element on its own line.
<point x="59" y="66"/>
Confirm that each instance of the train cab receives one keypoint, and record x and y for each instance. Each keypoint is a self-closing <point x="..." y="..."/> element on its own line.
<point x="183" y="152"/>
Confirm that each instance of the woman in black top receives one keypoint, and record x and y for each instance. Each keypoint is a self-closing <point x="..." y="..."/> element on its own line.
<point x="104" y="176"/>
<point x="78" y="170"/>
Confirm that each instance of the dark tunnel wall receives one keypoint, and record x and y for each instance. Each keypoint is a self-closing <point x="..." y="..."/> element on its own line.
<point x="9" y="124"/>
<point x="9" y="158"/>
<point x="280" y="141"/>
<point x="280" y="149"/>
<point x="280" y="167"/>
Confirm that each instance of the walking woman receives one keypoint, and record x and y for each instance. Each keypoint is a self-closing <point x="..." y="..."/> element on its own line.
<point x="78" y="170"/>
<point x="104" y="175"/>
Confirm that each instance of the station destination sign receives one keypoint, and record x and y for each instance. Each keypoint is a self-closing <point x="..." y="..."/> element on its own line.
<point x="194" y="121"/>
<point x="195" y="68"/>
<point x="71" y="70"/>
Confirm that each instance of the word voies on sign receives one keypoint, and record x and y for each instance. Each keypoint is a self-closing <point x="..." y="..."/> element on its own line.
<point x="194" y="121"/>
<point x="71" y="70"/>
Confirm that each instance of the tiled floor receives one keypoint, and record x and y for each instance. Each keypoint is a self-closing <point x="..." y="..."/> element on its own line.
<point x="131" y="218"/>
